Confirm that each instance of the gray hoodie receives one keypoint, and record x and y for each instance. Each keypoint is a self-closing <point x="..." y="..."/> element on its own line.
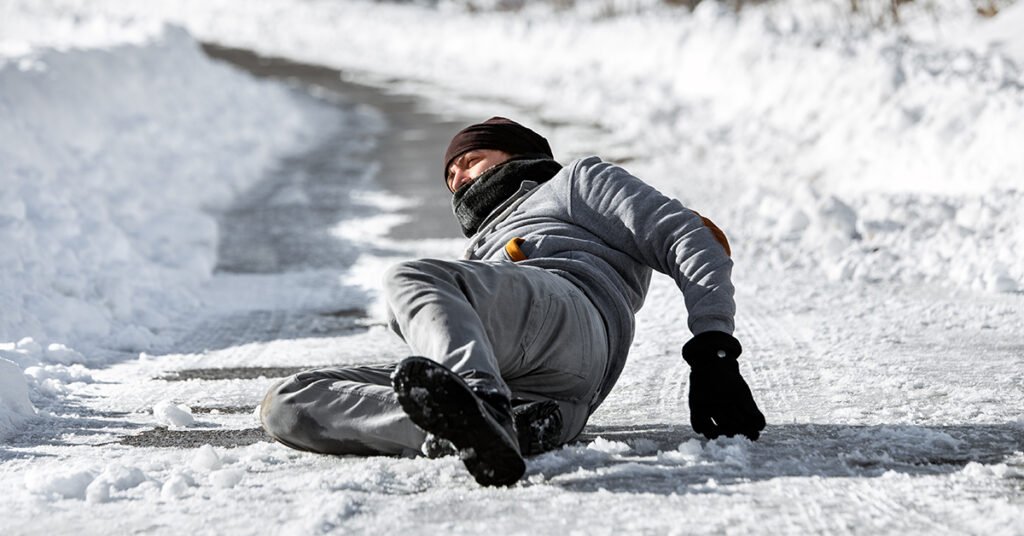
<point x="605" y="230"/>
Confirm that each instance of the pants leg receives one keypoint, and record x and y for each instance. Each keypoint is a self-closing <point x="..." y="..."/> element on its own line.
<point x="340" y="410"/>
<point x="522" y="330"/>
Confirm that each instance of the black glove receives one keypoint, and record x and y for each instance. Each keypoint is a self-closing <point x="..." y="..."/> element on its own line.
<point x="720" y="401"/>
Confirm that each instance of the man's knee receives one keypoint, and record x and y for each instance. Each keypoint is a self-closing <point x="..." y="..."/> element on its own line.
<point x="277" y="414"/>
<point x="286" y="418"/>
<point x="403" y="280"/>
<point x="411" y="270"/>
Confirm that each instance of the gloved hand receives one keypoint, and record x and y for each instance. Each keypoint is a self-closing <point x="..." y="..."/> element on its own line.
<point x="720" y="401"/>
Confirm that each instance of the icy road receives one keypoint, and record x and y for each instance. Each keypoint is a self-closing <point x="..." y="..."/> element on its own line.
<point x="869" y="179"/>
<point x="891" y="408"/>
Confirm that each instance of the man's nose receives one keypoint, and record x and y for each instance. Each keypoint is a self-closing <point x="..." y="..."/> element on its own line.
<point x="460" y="178"/>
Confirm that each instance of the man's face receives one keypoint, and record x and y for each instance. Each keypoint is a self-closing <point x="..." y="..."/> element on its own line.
<point x="471" y="164"/>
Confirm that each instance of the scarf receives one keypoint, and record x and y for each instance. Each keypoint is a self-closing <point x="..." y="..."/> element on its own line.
<point x="473" y="203"/>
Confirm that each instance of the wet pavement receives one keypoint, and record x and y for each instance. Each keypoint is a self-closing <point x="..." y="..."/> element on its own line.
<point x="226" y="438"/>
<point x="409" y="152"/>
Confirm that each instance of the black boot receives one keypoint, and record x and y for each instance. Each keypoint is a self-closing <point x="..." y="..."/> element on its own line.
<point x="539" y="425"/>
<point x="479" y="423"/>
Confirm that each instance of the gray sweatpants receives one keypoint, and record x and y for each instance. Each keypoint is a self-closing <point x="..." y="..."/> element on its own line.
<point x="535" y="333"/>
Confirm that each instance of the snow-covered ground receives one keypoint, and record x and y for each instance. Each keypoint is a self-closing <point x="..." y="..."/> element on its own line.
<point x="870" y="179"/>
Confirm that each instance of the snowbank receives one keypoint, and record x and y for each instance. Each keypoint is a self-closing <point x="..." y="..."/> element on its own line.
<point x="110" y="159"/>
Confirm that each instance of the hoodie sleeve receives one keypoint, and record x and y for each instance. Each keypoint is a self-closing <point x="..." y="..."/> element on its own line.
<point x="659" y="232"/>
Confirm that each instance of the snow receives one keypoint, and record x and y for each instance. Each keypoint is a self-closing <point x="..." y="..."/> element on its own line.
<point x="870" y="181"/>
<point x="1003" y="32"/>
<point x="206" y="459"/>
<point x="15" y="407"/>
<point x="167" y="413"/>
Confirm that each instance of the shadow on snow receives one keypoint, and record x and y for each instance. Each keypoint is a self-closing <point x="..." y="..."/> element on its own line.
<point x="786" y="450"/>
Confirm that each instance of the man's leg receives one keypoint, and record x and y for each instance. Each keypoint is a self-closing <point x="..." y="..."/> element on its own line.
<point x="492" y="322"/>
<point x="516" y="329"/>
<point x="340" y="410"/>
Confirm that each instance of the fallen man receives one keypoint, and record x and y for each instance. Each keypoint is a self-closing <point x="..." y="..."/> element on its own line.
<point x="518" y="343"/>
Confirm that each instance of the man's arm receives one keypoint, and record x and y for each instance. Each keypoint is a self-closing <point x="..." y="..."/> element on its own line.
<point x="659" y="232"/>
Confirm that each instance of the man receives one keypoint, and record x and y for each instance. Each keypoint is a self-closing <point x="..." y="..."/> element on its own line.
<point x="525" y="336"/>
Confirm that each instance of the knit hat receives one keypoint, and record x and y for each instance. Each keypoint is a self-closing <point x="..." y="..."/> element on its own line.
<point x="496" y="133"/>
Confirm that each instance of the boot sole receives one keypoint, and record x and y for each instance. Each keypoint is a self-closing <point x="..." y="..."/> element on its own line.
<point x="440" y="402"/>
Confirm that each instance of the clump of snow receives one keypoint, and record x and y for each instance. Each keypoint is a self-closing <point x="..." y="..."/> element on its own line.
<point x="687" y="452"/>
<point x="89" y="484"/>
<point x="170" y="414"/>
<point x="206" y="459"/>
<point x="176" y="486"/>
<point x="113" y="479"/>
<point x="226" y="478"/>
<point x="59" y="353"/>
<point x="53" y="380"/>
<point x="15" y="406"/>
<point x="607" y="446"/>
<point x="998" y="470"/>
<point x="690" y="447"/>
<point x="60" y="484"/>
<point x="730" y="451"/>
<point x="97" y="492"/>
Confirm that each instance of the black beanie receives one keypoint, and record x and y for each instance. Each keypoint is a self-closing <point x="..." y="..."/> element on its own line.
<point x="496" y="133"/>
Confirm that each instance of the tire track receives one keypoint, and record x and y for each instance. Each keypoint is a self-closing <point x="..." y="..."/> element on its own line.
<point x="773" y="354"/>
